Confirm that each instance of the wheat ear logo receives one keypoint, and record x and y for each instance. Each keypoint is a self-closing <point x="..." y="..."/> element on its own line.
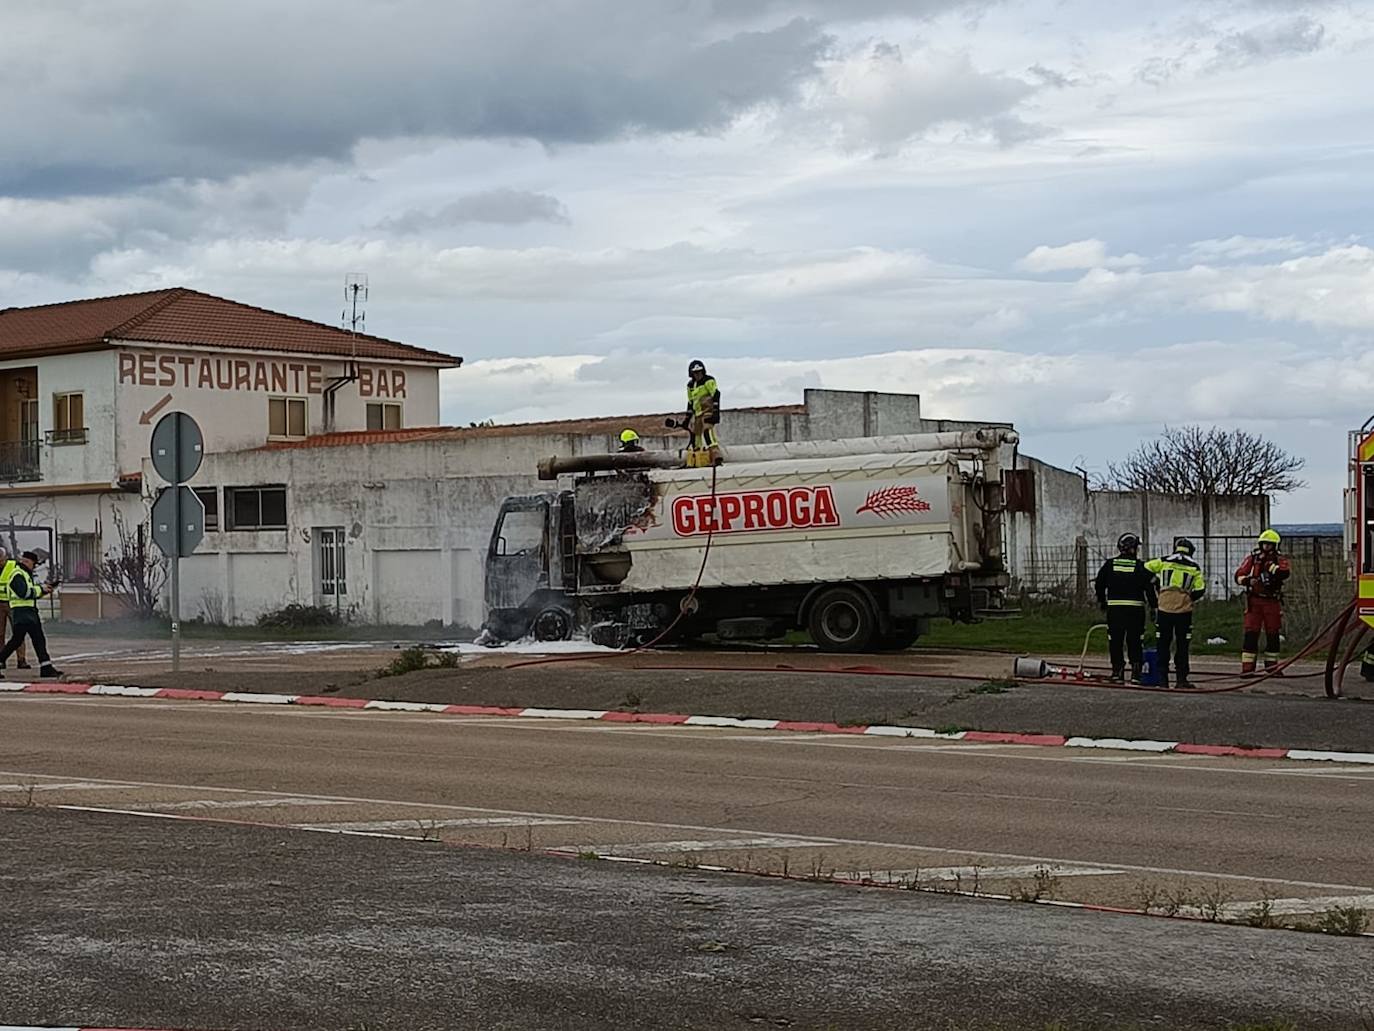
<point x="891" y="501"/>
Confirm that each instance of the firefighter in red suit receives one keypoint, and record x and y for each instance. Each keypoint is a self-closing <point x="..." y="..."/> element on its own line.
<point x="1262" y="574"/>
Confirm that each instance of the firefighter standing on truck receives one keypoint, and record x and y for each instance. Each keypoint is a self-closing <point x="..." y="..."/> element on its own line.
<point x="703" y="410"/>
<point x="1125" y="591"/>
<point x="1263" y="574"/>
<point x="1181" y="586"/>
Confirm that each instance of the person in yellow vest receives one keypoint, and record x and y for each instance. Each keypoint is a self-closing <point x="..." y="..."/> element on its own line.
<point x="703" y="409"/>
<point x="7" y="567"/>
<point x="24" y="592"/>
<point x="1181" y="586"/>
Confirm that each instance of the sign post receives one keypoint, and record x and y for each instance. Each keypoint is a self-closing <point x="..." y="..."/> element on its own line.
<point x="178" y="515"/>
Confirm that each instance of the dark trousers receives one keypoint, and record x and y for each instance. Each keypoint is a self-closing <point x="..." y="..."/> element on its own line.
<point x="30" y="627"/>
<point x="1176" y="631"/>
<point x="1125" y="630"/>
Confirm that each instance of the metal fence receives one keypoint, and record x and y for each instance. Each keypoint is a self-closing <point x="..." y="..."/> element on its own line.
<point x="1066" y="572"/>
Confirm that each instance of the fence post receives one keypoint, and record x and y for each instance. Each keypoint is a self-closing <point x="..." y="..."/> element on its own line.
<point x="1080" y="568"/>
<point x="1317" y="570"/>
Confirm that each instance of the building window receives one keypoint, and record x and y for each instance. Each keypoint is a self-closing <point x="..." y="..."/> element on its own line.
<point x="209" y="497"/>
<point x="286" y="417"/>
<point x="79" y="555"/>
<point x="383" y="416"/>
<point x="332" y="564"/>
<point x="68" y="418"/>
<point x="256" y="508"/>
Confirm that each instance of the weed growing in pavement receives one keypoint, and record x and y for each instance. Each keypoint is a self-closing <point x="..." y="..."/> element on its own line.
<point x="447" y="660"/>
<point x="818" y="868"/>
<point x="429" y="829"/>
<point x="1348" y="920"/>
<point x="1147" y="896"/>
<point x="1044" y="885"/>
<point x="1213" y="902"/>
<point x="996" y="686"/>
<point x="1261" y="914"/>
<point x="409" y="661"/>
<point x="951" y="728"/>
<point x="630" y="701"/>
<point x="588" y="854"/>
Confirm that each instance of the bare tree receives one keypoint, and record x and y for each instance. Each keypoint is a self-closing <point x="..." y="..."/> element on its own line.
<point x="1192" y="461"/>
<point x="133" y="569"/>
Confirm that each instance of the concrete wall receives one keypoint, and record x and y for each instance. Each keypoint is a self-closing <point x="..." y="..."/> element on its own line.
<point x="1043" y="543"/>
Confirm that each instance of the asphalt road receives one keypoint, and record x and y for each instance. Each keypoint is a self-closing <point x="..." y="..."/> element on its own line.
<point x="1124" y="829"/>
<point x="116" y="920"/>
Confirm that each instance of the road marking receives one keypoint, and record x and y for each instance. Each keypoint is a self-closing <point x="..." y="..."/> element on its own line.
<point x="420" y="823"/>
<point x="74" y="785"/>
<point x="1282" y="907"/>
<point x="714" y="845"/>
<point x="972" y="873"/>
<point x="699" y="828"/>
<point x="239" y="803"/>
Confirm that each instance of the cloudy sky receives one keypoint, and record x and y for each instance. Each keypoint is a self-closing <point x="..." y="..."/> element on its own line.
<point x="1088" y="221"/>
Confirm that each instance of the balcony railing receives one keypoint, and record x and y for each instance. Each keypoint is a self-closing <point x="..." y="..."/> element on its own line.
<point x="19" y="461"/>
<point x="74" y="435"/>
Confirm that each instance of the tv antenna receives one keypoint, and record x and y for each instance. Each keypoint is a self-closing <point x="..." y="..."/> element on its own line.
<point x="354" y="316"/>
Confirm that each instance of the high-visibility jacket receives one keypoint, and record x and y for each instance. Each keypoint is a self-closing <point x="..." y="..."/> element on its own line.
<point x="1263" y="573"/>
<point x="1181" y="582"/>
<point x="23" y="589"/>
<point x="5" y="573"/>
<point x="703" y="400"/>
<point x="1124" y="581"/>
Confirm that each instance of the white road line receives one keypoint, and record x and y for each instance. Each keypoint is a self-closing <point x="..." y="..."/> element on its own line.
<point x="1283" y="907"/>
<point x="971" y="873"/>
<point x="700" y="828"/>
<point x="75" y="785"/>
<point x="238" y="803"/>
<point x="716" y="845"/>
<point x="420" y="823"/>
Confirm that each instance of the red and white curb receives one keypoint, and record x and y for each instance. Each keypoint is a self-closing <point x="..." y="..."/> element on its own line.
<point x="46" y="1027"/>
<point x="675" y="719"/>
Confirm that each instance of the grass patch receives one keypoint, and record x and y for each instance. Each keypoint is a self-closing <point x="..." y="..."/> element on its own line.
<point x="993" y="687"/>
<point x="412" y="660"/>
<point x="1347" y="920"/>
<point x="951" y="728"/>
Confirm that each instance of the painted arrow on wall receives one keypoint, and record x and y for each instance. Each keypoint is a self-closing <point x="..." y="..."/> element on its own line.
<point x="147" y="417"/>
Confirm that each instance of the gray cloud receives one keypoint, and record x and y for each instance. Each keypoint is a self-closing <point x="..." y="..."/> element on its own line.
<point x="1290" y="37"/>
<point x="493" y="207"/>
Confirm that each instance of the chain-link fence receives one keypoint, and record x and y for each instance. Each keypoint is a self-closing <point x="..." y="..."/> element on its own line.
<point x="1065" y="572"/>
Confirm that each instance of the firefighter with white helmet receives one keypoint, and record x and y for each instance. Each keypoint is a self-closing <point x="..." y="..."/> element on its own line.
<point x="1125" y="592"/>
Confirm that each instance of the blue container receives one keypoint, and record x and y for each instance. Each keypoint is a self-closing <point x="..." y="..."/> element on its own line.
<point x="1149" y="670"/>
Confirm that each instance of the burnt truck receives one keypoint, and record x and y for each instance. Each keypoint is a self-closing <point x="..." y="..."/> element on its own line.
<point x="859" y="542"/>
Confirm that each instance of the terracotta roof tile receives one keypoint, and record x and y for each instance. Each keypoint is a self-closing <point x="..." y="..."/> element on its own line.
<point x="189" y="318"/>
<point x="646" y="425"/>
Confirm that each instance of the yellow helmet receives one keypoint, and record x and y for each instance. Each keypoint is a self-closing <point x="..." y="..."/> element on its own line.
<point x="1270" y="537"/>
<point x="628" y="437"/>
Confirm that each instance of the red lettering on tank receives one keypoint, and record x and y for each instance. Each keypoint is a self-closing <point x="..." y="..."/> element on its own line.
<point x="787" y="508"/>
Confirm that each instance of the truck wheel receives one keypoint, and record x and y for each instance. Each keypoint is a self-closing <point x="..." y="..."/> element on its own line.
<point x="552" y="624"/>
<point x="841" y="620"/>
<point x="899" y="638"/>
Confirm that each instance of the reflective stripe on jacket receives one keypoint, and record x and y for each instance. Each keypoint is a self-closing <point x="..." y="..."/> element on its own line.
<point x="24" y="591"/>
<point x="1125" y="582"/>
<point x="5" y="573"/>
<point x="703" y="398"/>
<point x="1181" y="582"/>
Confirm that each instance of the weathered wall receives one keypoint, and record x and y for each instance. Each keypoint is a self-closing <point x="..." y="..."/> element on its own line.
<point x="1043" y="543"/>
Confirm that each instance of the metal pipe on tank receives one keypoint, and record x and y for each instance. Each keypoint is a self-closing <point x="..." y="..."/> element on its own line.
<point x="616" y="461"/>
<point x="988" y="438"/>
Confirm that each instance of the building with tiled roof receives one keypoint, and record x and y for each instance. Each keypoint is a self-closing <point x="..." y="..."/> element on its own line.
<point x="83" y="383"/>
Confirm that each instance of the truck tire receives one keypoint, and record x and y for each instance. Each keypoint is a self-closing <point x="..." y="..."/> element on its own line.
<point x="552" y="624"/>
<point x="842" y="620"/>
